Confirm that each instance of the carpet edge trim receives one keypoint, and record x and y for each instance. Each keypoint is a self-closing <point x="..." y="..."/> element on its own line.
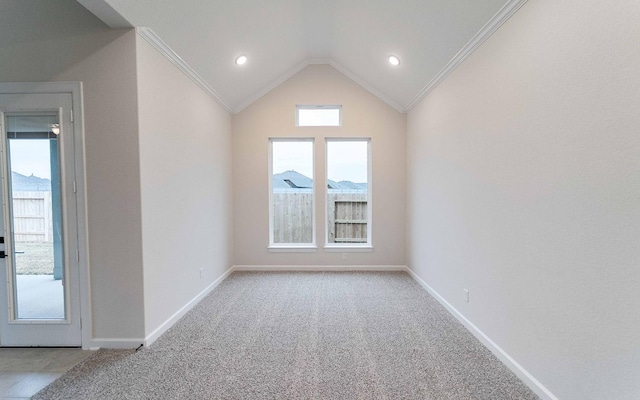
<point x="502" y="355"/>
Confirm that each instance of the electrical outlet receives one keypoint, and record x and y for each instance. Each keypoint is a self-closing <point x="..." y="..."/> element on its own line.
<point x="344" y="256"/>
<point x="466" y="295"/>
<point x="201" y="272"/>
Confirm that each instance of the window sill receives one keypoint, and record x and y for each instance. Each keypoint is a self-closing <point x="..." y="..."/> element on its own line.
<point x="348" y="249"/>
<point x="293" y="249"/>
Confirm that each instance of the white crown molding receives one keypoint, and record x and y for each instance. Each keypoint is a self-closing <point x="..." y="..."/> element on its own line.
<point x="318" y="61"/>
<point x="164" y="49"/>
<point x="111" y="17"/>
<point x="280" y="80"/>
<point x="367" y="86"/>
<point x="483" y="34"/>
<point x="108" y="14"/>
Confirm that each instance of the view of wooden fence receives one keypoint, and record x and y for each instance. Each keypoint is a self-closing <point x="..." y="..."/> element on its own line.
<point x="347" y="215"/>
<point x="293" y="216"/>
<point x="32" y="214"/>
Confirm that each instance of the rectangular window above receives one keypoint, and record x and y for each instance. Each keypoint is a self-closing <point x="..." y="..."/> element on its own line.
<point x="291" y="197"/>
<point x="319" y="115"/>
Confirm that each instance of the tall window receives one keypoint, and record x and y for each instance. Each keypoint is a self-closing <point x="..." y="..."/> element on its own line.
<point x="348" y="193"/>
<point x="292" y="213"/>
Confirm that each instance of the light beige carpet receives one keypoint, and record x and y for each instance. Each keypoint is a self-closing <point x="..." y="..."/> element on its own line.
<point x="313" y="335"/>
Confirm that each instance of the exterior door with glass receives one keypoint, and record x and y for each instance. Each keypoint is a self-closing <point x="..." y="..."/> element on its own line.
<point x="39" y="285"/>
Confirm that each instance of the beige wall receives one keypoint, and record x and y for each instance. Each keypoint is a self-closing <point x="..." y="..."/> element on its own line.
<point x="185" y="169"/>
<point x="523" y="187"/>
<point x="364" y="115"/>
<point x="70" y="44"/>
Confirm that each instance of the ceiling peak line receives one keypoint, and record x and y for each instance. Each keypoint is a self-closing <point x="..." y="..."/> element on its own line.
<point x="476" y="41"/>
<point x="163" y="48"/>
<point x="266" y="89"/>
<point x="319" y="61"/>
<point x="368" y="87"/>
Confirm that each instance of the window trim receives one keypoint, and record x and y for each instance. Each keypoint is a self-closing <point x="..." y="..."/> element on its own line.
<point x="318" y="107"/>
<point x="292" y="247"/>
<point x="347" y="247"/>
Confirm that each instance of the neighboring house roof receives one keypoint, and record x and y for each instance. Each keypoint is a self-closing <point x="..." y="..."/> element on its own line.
<point x="291" y="179"/>
<point x="295" y="180"/>
<point x="22" y="183"/>
<point x="347" y="185"/>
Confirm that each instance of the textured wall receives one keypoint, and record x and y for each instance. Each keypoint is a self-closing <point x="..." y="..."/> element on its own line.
<point x="364" y="115"/>
<point x="185" y="169"/>
<point x="524" y="187"/>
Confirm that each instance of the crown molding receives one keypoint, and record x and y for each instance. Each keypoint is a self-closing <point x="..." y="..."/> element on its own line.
<point x="266" y="89"/>
<point x="483" y="34"/>
<point x="479" y="38"/>
<point x="368" y="87"/>
<point x="318" y="61"/>
<point x="164" y="49"/>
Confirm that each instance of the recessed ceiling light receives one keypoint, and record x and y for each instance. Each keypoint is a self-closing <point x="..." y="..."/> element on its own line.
<point x="241" y="60"/>
<point x="394" y="60"/>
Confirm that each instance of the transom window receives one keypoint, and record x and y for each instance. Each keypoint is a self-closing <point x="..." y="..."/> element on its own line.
<point x="320" y="115"/>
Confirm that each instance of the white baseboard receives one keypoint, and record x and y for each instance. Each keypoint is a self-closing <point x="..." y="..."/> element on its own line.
<point x="502" y="355"/>
<point x="153" y="336"/>
<point x="506" y="359"/>
<point x="319" y="268"/>
<point x="111" y="343"/>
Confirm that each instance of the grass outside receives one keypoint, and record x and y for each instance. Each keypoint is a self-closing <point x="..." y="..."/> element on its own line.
<point x="34" y="258"/>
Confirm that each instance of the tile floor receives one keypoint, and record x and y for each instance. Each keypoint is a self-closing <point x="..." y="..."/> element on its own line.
<point x="25" y="371"/>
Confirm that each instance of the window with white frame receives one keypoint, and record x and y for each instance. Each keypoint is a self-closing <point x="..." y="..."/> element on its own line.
<point x="319" y="115"/>
<point x="348" y="205"/>
<point x="291" y="198"/>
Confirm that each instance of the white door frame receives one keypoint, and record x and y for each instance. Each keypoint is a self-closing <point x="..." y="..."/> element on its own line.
<point x="75" y="89"/>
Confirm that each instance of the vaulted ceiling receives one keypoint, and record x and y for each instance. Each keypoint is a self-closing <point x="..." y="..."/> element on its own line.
<point x="280" y="37"/>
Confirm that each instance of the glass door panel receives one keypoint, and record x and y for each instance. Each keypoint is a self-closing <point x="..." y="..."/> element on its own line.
<point x="35" y="215"/>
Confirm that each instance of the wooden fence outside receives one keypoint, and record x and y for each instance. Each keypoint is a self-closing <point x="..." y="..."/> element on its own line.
<point x="347" y="217"/>
<point x="32" y="216"/>
<point x="293" y="216"/>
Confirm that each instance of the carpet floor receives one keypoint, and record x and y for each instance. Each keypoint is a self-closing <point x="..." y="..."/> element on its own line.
<point x="312" y="335"/>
